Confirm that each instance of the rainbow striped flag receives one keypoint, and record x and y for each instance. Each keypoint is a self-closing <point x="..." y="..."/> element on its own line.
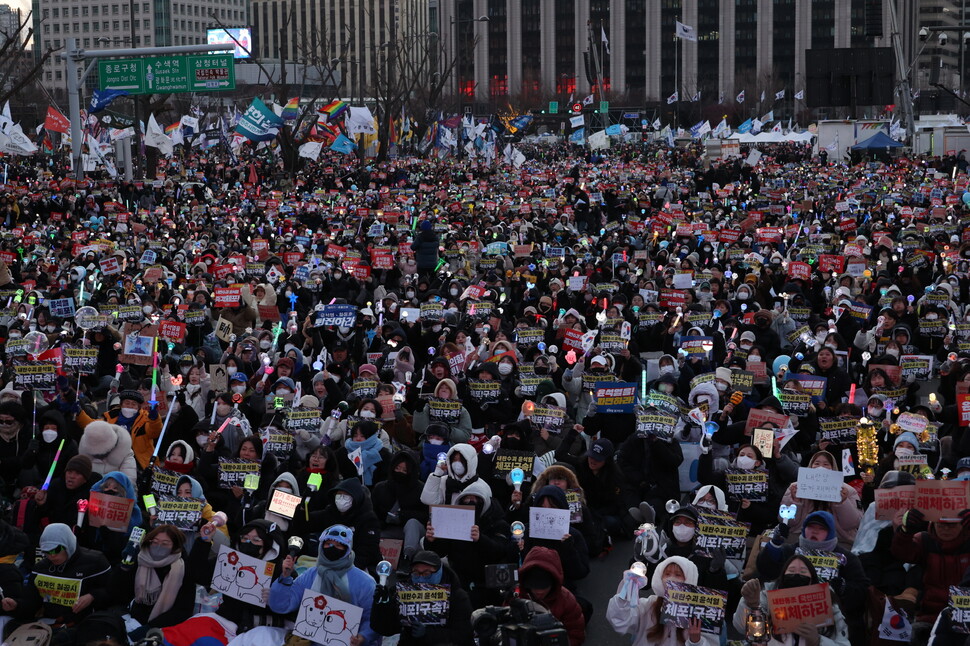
<point x="334" y="109"/>
<point x="170" y="130"/>
<point x="292" y="109"/>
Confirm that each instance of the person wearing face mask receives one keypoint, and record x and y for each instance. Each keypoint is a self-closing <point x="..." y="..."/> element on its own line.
<point x="58" y="504"/>
<point x="365" y="437"/>
<point x="425" y="568"/>
<point x="36" y="464"/>
<point x="436" y="441"/>
<point x="631" y="614"/>
<point x="15" y="442"/>
<point x="155" y="588"/>
<point x="225" y="408"/>
<point x="458" y="470"/>
<point x="572" y="549"/>
<point x="485" y="414"/>
<point x="144" y="426"/>
<point x="108" y="540"/>
<point x="397" y="503"/>
<point x="680" y="539"/>
<point x="264" y="296"/>
<point x="335" y="575"/>
<point x="351" y="506"/>
<point x="798" y="571"/>
<point x="847" y="513"/>
<point x="818" y="533"/>
<point x="460" y="430"/>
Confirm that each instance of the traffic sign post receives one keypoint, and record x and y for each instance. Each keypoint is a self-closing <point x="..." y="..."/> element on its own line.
<point x="168" y="74"/>
<point x="554" y="107"/>
<point x="577" y="107"/>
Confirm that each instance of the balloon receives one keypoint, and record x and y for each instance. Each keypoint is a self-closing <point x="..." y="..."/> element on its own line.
<point x="966" y="198"/>
<point x="87" y="317"/>
<point x="37" y="342"/>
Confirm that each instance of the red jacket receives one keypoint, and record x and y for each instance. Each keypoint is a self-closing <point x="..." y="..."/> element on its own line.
<point x="943" y="565"/>
<point x="560" y="601"/>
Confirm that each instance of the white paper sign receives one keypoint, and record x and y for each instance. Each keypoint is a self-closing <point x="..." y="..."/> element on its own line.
<point x="453" y="521"/>
<point x="683" y="281"/>
<point x="325" y="620"/>
<point x="820" y="484"/>
<point x="242" y="577"/>
<point x="547" y="523"/>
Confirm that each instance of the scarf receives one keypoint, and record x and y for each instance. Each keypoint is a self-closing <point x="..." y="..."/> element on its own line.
<point x="150" y="590"/>
<point x="332" y="577"/>
<point x="370" y="456"/>
<point x="10" y="434"/>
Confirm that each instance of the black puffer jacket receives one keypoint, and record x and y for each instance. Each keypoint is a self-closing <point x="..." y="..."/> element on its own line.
<point x="405" y="492"/>
<point x="360" y="517"/>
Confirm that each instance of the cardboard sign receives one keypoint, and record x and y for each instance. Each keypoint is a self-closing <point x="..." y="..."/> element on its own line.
<point x="827" y="564"/>
<point x="721" y="530"/>
<point x="337" y="315"/>
<point x="58" y="591"/>
<point x="184" y="513"/>
<point x="172" y="330"/>
<point x="391" y="550"/>
<point x="764" y="419"/>
<point x="453" y="522"/>
<point x="615" y="396"/>
<point x="747" y="484"/>
<point x="820" y="484"/>
<point x="226" y="296"/>
<point x="83" y="361"/>
<point x="508" y="459"/>
<point x="325" y="620"/>
<point x="445" y="411"/>
<point x="35" y="375"/>
<point x="109" y="511"/>
<point x="791" y="607"/>
<point x="959" y="604"/>
<point x="164" y="481"/>
<point x="424" y="602"/>
<point x="764" y="440"/>
<point x="242" y="577"/>
<point x="547" y="523"/>
<point x="942" y="498"/>
<point x="485" y="391"/>
<point x="233" y="471"/>
<point x="742" y="380"/>
<point x="277" y="441"/>
<point x="683" y="603"/>
<point x="841" y="430"/>
<point x="891" y="501"/>
<point x="656" y="423"/>
<point x="284" y="504"/>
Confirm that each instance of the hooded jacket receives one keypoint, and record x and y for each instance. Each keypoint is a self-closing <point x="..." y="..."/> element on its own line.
<point x="88" y="566"/>
<point x="109" y="447"/>
<point x="44" y="457"/>
<point x="559" y="601"/>
<point x="636" y="616"/>
<point x="441" y="486"/>
<point x="847" y="513"/>
<point x="360" y="517"/>
<point x="943" y="565"/>
<point x="402" y="495"/>
<point x="144" y="432"/>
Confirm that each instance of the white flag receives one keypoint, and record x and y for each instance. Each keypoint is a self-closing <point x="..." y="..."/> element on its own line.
<point x="696" y="97"/>
<point x="686" y="32"/>
<point x="762" y="96"/>
<point x="673" y="98"/>
<point x="800" y="95"/>
<point x="656" y="123"/>
<point x="740" y="97"/>
<point x="191" y="122"/>
<point x="156" y="137"/>
<point x="604" y="39"/>
<point x="578" y="121"/>
<point x="588" y="100"/>
<point x="779" y="95"/>
<point x="311" y="149"/>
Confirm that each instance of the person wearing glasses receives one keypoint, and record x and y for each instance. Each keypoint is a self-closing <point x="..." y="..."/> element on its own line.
<point x="64" y="559"/>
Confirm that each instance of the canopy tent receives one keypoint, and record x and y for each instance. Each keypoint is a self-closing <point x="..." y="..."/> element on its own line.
<point x="772" y="137"/>
<point x="877" y="141"/>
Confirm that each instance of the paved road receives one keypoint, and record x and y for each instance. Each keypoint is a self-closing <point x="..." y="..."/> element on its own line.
<point x="598" y="587"/>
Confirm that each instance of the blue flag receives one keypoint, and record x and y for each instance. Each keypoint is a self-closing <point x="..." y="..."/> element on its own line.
<point x="615" y="130"/>
<point x="578" y="136"/>
<point x="745" y="127"/>
<point x="343" y="145"/>
<point x="101" y="99"/>
<point x="521" y="122"/>
<point x="259" y="123"/>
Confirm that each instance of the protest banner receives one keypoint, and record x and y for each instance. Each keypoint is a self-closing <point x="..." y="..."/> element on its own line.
<point x="959" y="604"/>
<point x="284" y="504"/>
<point x="164" y="481"/>
<point x="58" y="591"/>
<point x="83" y="361"/>
<point x="797" y="404"/>
<point x="233" y="471"/>
<point x="113" y="512"/>
<point x="889" y="502"/>
<point x="684" y="602"/>
<point x="764" y="419"/>
<point x="574" y="499"/>
<point x="615" y="397"/>
<point x="444" y="411"/>
<point x="426" y="603"/>
<point x="485" y="391"/>
<point x="365" y="388"/>
<point x="747" y="484"/>
<point x="841" y="430"/>
<point x="508" y="459"/>
<point x="791" y="607"/>
<point x="337" y="315"/>
<point x="301" y="418"/>
<point x="742" y="380"/>
<point x="242" y="577"/>
<point x="717" y="531"/>
<point x="35" y="375"/>
<point x="655" y="423"/>
<point x="391" y="549"/>
<point x="942" y="498"/>
<point x="548" y="417"/>
<point x="827" y="564"/>
<point x="184" y="513"/>
<point x="820" y="484"/>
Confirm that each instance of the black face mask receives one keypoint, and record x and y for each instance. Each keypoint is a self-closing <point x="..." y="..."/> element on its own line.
<point x="795" y="580"/>
<point x="250" y="549"/>
<point x="111" y="492"/>
<point x="399" y="477"/>
<point x="333" y="553"/>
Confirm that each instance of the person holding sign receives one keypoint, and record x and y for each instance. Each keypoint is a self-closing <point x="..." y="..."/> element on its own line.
<point x="460" y="423"/>
<point x="144" y="426"/>
<point x="391" y="615"/>
<point x="631" y="614"/>
<point x="69" y="582"/>
<point x="797" y="572"/>
<point x="571" y="547"/>
<point x="847" y="512"/>
<point x="335" y="576"/>
<point x="155" y="588"/>
<point x="351" y="507"/>
<point x="940" y="548"/>
<point x="109" y="538"/>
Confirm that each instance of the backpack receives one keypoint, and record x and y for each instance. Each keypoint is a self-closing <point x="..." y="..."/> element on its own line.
<point x="32" y="634"/>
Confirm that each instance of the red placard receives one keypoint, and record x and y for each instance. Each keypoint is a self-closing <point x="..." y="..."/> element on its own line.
<point x="334" y="251"/>
<point x="109" y="511"/>
<point x="227" y="296"/>
<point x="730" y="235"/>
<point x="801" y="270"/>
<point x="292" y="257"/>
<point x="963" y="409"/>
<point x="7" y="257"/>
<point x="361" y="272"/>
<point x="791" y="607"/>
<point x="172" y="330"/>
<point x="260" y="248"/>
<point x="382" y="260"/>
<point x="268" y="312"/>
<point x="110" y="265"/>
<point x="221" y="271"/>
<point x="942" y="498"/>
<point x="829" y="262"/>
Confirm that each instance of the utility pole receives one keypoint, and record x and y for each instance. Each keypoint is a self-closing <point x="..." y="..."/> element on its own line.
<point x="906" y="98"/>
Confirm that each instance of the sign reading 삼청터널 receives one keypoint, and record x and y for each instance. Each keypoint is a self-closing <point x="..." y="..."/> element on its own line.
<point x="163" y="74"/>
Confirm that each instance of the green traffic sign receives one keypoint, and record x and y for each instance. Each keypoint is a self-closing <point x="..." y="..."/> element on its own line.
<point x="604" y="107"/>
<point x="164" y="74"/>
<point x="554" y="107"/>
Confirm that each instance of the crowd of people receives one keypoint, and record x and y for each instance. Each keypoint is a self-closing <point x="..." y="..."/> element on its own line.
<point x="422" y="400"/>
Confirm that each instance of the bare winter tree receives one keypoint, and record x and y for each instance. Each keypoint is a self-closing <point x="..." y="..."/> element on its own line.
<point x="18" y="68"/>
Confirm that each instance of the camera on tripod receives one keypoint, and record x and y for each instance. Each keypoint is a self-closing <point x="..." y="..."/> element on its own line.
<point x="521" y="623"/>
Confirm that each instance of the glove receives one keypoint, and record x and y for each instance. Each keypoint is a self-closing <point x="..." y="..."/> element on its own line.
<point x="418" y="629"/>
<point x="382" y="594"/>
<point x="914" y="521"/>
<point x="717" y="559"/>
<point x="780" y="535"/>
<point x="153" y="412"/>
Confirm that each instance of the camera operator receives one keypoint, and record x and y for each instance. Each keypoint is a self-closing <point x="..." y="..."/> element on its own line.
<point x="541" y="580"/>
<point x="426" y="568"/>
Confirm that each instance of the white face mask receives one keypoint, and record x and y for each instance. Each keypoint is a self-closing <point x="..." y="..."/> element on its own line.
<point x="664" y="370"/>
<point x="453" y="291"/>
<point x="239" y="389"/>
<point x="343" y="502"/>
<point x="504" y="369"/>
<point x="754" y="358"/>
<point x="706" y="504"/>
<point x="893" y="353"/>
<point x="265" y="344"/>
<point x="745" y="462"/>
<point x="201" y="440"/>
<point x="876" y="412"/>
<point x="458" y="468"/>
<point x="683" y="533"/>
<point x="721" y="386"/>
<point x="435" y="441"/>
<point x="367" y="414"/>
<point x="129" y="412"/>
<point x="903" y="450"/>
<point x="48" y="435"/>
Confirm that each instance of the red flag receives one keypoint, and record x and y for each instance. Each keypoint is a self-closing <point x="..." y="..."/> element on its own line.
<point x="253" y="178"/>
<point x="56" y="121"/>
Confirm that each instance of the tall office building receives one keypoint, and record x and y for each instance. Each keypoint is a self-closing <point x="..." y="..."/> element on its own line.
<point x="537" y="50"/>
<point x="358" y="33"/>
<point x="10" y="19"/>
<point x="98" y="24"/>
